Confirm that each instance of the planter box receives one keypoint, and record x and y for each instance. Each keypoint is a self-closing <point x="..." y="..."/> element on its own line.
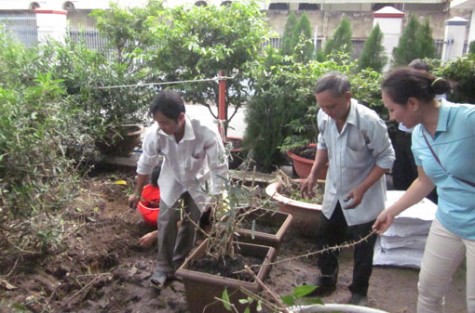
<point x="202" y="289"/>
<point x="306" y="216"/>
<point x="270" y="228"/>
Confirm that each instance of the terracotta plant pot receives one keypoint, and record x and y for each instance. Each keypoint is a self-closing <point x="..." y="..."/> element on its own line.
<point x="306" y="216"/>
<point x="237" y="152"/>
<point x="270" y="228"/>
<point x="303" y="165"/>
<point x="202" y="289"/>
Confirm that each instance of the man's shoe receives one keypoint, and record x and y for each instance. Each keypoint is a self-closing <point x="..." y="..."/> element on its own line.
<point x="158" y="279"/>
<point x="324" y="287"/>
<point x="358" y="299"/>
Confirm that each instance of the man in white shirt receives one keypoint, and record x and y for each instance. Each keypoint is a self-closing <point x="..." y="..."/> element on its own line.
<point x="194" y="167"/>
<point x="354" y="141"/>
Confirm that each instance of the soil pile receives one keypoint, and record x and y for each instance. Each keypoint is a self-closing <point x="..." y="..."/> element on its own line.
<point x="102" y="268"/>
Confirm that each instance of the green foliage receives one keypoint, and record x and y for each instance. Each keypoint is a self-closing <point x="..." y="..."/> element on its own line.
<point x="461" y="72"/>
<point x="426" y="46"/>
<point x="297" y="38"/>
<point x="303" y="32"/>
<point x="373" y="55"/>
<point x="36" y="176"/>
<point x="341" y="39"/>
<point x="282" y="114"/>
<point x="195" y="43"/>
<point x="471" y="47"/>
<point x="365" y="87"/>
<point x="299" y="296"/>
<point x="127" y="32"/>
<point x="416" y="42"/>
<point x="289" y="41"/>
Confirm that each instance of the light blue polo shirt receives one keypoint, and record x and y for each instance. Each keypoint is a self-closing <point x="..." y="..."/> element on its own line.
<point x="454" y="144"/>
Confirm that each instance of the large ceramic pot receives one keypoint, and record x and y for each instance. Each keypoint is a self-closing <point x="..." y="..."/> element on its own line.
<point x="203" y="289"/>
<point x="306" y="216"/>
<point x="302" y="164"/>
<point x="334" y="307"/>
<point x="120" y="141"/>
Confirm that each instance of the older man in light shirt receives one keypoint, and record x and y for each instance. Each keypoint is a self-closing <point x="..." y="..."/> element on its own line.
<point x="194" y="167"/>
<point x="355" y="143"/>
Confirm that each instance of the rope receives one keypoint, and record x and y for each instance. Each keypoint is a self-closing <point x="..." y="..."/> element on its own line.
<point x="168" y="83"/>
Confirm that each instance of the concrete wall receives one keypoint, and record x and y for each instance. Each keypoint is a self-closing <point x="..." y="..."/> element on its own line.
<point x="362" y="21"/>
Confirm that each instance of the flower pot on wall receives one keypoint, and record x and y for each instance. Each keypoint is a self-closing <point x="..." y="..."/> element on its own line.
<point x="303" y="164"/>
<point x="306" y="216"/>
<point x="202" y="289"/>
<point x="120" y="141"/>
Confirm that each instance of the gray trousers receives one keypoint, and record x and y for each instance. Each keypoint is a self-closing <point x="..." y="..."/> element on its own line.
<point x="175" y="243"/>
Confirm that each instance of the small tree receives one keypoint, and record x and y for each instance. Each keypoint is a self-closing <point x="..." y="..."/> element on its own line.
<point x="303" y="31"/>
<point x="406" y="50"/>
<point x="416" y="42"/>
<point x="373" y="55"/>
<point x="297" y="37"/>
<point x="195" y="43"/>
<point x="288" y="38"/>
<point x="341" y="39"/>
<point x="426" y="47"/>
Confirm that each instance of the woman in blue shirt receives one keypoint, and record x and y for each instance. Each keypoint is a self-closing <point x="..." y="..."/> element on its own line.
<point x="443" y="144"/>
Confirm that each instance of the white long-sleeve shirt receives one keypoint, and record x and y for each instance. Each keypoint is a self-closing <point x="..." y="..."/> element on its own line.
<point x="197" y="164"/>
<point x="352" y="153"/>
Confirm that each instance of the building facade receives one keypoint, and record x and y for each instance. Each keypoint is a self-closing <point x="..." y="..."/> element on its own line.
<point x="324" y="15"/>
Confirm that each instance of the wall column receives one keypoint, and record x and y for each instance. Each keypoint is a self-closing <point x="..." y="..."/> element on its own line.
<point x="390" y="22"/>
<point x="454" y="38"/>
<point x="51" y="24"/>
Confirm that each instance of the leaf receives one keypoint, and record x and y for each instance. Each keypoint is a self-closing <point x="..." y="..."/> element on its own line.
<point x="120" y="182"/>
<point x="303" y="290"/>
<point x="288" y="300"/>
<point x="7" y="285"/>
<point x="226" y="301"/>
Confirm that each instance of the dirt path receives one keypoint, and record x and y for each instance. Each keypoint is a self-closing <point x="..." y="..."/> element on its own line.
<point x="102" y="268"/>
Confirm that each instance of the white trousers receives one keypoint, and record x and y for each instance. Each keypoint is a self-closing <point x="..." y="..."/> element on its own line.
<point x="443" y="253"/>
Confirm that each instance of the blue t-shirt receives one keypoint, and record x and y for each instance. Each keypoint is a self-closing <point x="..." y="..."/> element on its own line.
<point x="454" y="144"/>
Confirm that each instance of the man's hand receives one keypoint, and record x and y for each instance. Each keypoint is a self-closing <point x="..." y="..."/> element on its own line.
<point x="307" y="188"/>
<point x="148" y="239"/>
<point x="353" y="199"/>
<point x="133" y="201"/>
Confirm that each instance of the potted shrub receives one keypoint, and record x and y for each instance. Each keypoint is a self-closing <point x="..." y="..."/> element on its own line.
<point x="222" y="249"/>
<point x="117" y="96"/>
<point x="306" y="212"/>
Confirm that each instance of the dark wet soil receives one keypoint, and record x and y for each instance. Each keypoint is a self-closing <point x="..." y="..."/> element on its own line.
<point x="101" y="267"/>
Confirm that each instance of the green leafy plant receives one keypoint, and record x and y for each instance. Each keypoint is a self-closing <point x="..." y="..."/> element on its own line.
<point x="197" y="42"/>
<point x="373" y="55"/>
<point x="460" y="72"/>
<point x="416" y="42"/>
<point x="340" y="41"/>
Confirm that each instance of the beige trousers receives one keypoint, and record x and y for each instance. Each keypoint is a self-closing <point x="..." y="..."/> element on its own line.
<point x="443" y="254"/>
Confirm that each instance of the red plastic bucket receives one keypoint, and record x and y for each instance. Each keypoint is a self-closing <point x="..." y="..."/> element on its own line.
<point x="150" y="215"/>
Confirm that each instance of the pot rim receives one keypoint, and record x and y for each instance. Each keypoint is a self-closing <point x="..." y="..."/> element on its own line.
<point x="272" y="191"/>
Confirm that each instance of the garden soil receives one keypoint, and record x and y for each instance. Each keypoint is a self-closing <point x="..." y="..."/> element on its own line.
<point x="101" y="267"/>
